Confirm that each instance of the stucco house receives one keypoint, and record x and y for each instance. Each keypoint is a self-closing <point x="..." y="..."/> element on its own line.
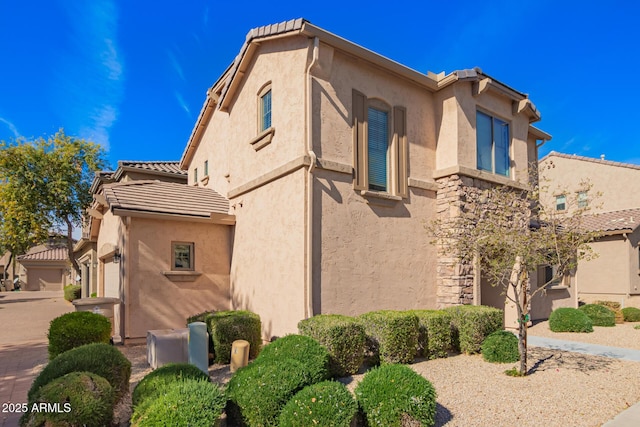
<point x="45" y="268"/>
<point x="333" y="158"/>
<point x="611" y="190"/>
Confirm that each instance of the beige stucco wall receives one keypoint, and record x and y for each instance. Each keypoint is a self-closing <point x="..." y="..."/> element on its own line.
<point x="618" y="185"/>
<point x="155" y="301"/>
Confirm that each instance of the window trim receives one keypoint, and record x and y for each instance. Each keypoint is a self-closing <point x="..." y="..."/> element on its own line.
<point x="192" y="259"/>
<point x="509" y="153"/>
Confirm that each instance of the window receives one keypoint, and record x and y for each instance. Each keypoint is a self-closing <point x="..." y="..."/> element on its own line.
<point x="195" y="175"/>
<point x="492" y="135"/>
<point x="551" y="276"/>
<point x="206" y="168"/>
<point x="182" y="256"/>
<point x="380" y="146"/>
<point x="265" y="110"/>
<point x="561" y="202"/>
<point x="583" y="201"/>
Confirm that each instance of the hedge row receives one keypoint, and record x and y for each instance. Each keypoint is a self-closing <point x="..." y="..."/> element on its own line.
<point x="471" y="324"/>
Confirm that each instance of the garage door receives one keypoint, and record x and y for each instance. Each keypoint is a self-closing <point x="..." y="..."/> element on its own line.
<point x="44" y="279"/>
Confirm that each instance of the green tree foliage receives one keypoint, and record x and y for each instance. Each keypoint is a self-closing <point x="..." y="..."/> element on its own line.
<point x="44" y="187"/>
<point x="507" y="233"/>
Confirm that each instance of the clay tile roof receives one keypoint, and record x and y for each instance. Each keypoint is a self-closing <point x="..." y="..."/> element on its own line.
<point x="52" y="254"/>
<point x="161" y="166"/>
<point x="590" y="159"/>
<point x="166" y="198"/>
<point x="621" y="221"/>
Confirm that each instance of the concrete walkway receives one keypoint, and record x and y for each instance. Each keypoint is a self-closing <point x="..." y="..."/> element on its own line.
<point x="630" y="417"/>
<point x="24" y="322"/>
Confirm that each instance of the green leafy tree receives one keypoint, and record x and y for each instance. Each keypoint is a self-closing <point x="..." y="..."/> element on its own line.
<point x="44" y="187"/>
<point x="508" y="233"/>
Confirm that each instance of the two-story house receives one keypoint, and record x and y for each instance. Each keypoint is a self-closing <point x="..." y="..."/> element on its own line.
<point x="333" y="158"/>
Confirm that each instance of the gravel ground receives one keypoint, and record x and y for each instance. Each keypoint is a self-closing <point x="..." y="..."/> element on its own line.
<point x="563" y="389"/>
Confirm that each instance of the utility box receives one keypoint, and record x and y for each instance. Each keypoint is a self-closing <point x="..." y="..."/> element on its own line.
<point x="167" y="346"/>
<point x="199" y="346"/>
<point x="239" y="354"/>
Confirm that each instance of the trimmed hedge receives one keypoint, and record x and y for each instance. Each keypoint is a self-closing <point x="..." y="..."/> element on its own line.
<point x="599" y="314"/>
<point x="100" y="359"/>
<point x="631" y="314"/>
<point x="501" y="347"/>
<point x="395" y="396"/>
<point x="567" y="319"/>
<point x="83" y="399"/>
<point x="227" y="326"/>
<point x="72" y="292"/>
<point x="154" y="383"/>
<point x="471" y="324"/>
<point x="343" y="337"/>
<point x="77" y="328"/>
<point x="392" y="336"/>
<point x="615" y="307"/>
<point x="257" y="393"/>
<point x="434" y="333"/>
<point x="189" y="402"/>
<point x="326" y="404"/>
<point x="304" y="349"/>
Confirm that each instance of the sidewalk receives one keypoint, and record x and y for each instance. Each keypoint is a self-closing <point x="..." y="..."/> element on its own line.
<point x="25" y="318"/>
<point x="630" y="417"/>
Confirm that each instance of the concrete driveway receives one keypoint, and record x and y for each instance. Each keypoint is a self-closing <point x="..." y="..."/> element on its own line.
<point x="24" y="323"/>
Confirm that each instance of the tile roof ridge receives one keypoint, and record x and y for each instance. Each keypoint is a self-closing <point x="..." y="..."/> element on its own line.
<point x="613" y="212"/>
<point x="590" y="159"/>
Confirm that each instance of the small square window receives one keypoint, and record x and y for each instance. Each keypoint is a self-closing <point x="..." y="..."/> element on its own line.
<point x="583" y="201"/>
<point x="206" y="168"/>
<point x="182" y="256"/>
<point x="561" y="202"/>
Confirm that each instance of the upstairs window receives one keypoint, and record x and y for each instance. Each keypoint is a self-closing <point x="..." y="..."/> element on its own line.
<point x="377" y="148"/>
<point x="561" y="202"/>
<point x="265" y="109"/>
<point x="493" y="142"/>
<point x="206" y="168"/>
<point x="195" y="175"/>
<point x="583" y="201"/>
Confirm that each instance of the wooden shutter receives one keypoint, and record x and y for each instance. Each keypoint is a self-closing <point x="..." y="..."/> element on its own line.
<point x="402" y="164"/>
<point x="359" y="142"/>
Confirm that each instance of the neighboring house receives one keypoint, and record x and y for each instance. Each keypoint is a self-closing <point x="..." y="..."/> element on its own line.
<point x="45" y="268"/>
<point x="333" y="158"/>
<point x="161" y="247"/>
<point x="611" y="191"/>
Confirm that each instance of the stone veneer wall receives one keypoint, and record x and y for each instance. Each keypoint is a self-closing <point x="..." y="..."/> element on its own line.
<point x="455" y="279"/>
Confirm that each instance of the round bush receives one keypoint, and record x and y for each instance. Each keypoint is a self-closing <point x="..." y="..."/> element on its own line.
<point x="599" y="314"/>
<point x="328" y="403"/>
<point x="77" y="328"/>
<point x="72" y="292"/>
<point x="100" y="359"/>
<point x="395" y="396"/>
<point x="82" y="399"/>
<point x="188" y="402"/>
<point x="500" y="347"/>
<point x="568" y="319"/>
<point x="631" y="314"/>
<point x="257" y="393"/>
<point x="303" y="349"/>
<point x="155" y="382"/>
<point x="615" y="307"/>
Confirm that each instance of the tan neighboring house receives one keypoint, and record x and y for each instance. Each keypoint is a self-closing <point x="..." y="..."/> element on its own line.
<point x="45" y="268"/>
<point x="333" y="158"/>
<point x="613" y="198"/>
<point x="161" y="247"/>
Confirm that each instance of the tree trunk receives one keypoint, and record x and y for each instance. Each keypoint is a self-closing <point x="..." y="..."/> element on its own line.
<point x="72" y="258"/>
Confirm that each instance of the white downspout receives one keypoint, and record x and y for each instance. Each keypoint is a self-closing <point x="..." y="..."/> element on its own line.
<point x="309" y="226"/>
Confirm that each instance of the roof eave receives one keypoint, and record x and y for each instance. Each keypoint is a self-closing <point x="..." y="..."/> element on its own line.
<point x="214" y="217"/>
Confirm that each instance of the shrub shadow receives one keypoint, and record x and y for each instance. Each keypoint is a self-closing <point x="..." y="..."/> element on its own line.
<point x="545" y="359"/>
<point x="443" y="415"/>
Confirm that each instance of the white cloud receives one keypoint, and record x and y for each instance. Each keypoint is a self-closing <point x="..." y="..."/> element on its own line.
<point x="11" y="126"/>
<point x="182" y="103"/>
<point x="175" y="64"/>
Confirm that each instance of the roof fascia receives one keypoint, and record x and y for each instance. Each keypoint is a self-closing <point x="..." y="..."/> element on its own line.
<point x="214" y="218"/>
<point x="539" y="134"/>
<point x="198" y="130"/>
<point x="122" y="169"/>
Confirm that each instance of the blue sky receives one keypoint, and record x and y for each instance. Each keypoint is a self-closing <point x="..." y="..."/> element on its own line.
<point x="132" y="75"/>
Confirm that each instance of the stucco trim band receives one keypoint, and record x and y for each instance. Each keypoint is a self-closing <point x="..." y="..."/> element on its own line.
<point x="423" y="184"/>
<point x="279" y="172"/>
<point x="473" y="173"/>
<point x="263" y="139"/>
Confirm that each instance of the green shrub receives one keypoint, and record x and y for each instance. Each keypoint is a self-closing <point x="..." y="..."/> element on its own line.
<point x="615" y="307"/>
<point x="631" y="314"/>
<point x="326" y="404"/>
<point x="434" y="333"/>
<point x="93" y="295"/>
<point x="392" y="336"/>
<point x="190" y="402"/>
<point x="343" y="337"/>
<point x="72" y="292"/>
<point x="501" y="347"/>
<point x="394" y="395"/>
<point x="83" y="399"/>
<point x="77" y="328"/>
<point x="599" y="315"/>
<point x="100" y="359"/>
<point x="304" y="349"/>
<point x="471" y="324"/>
<point x="155" y="382"/>
<point x="257" y="393"/>
<point x="227" y="326"/>
<point x="567" y="319"/>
